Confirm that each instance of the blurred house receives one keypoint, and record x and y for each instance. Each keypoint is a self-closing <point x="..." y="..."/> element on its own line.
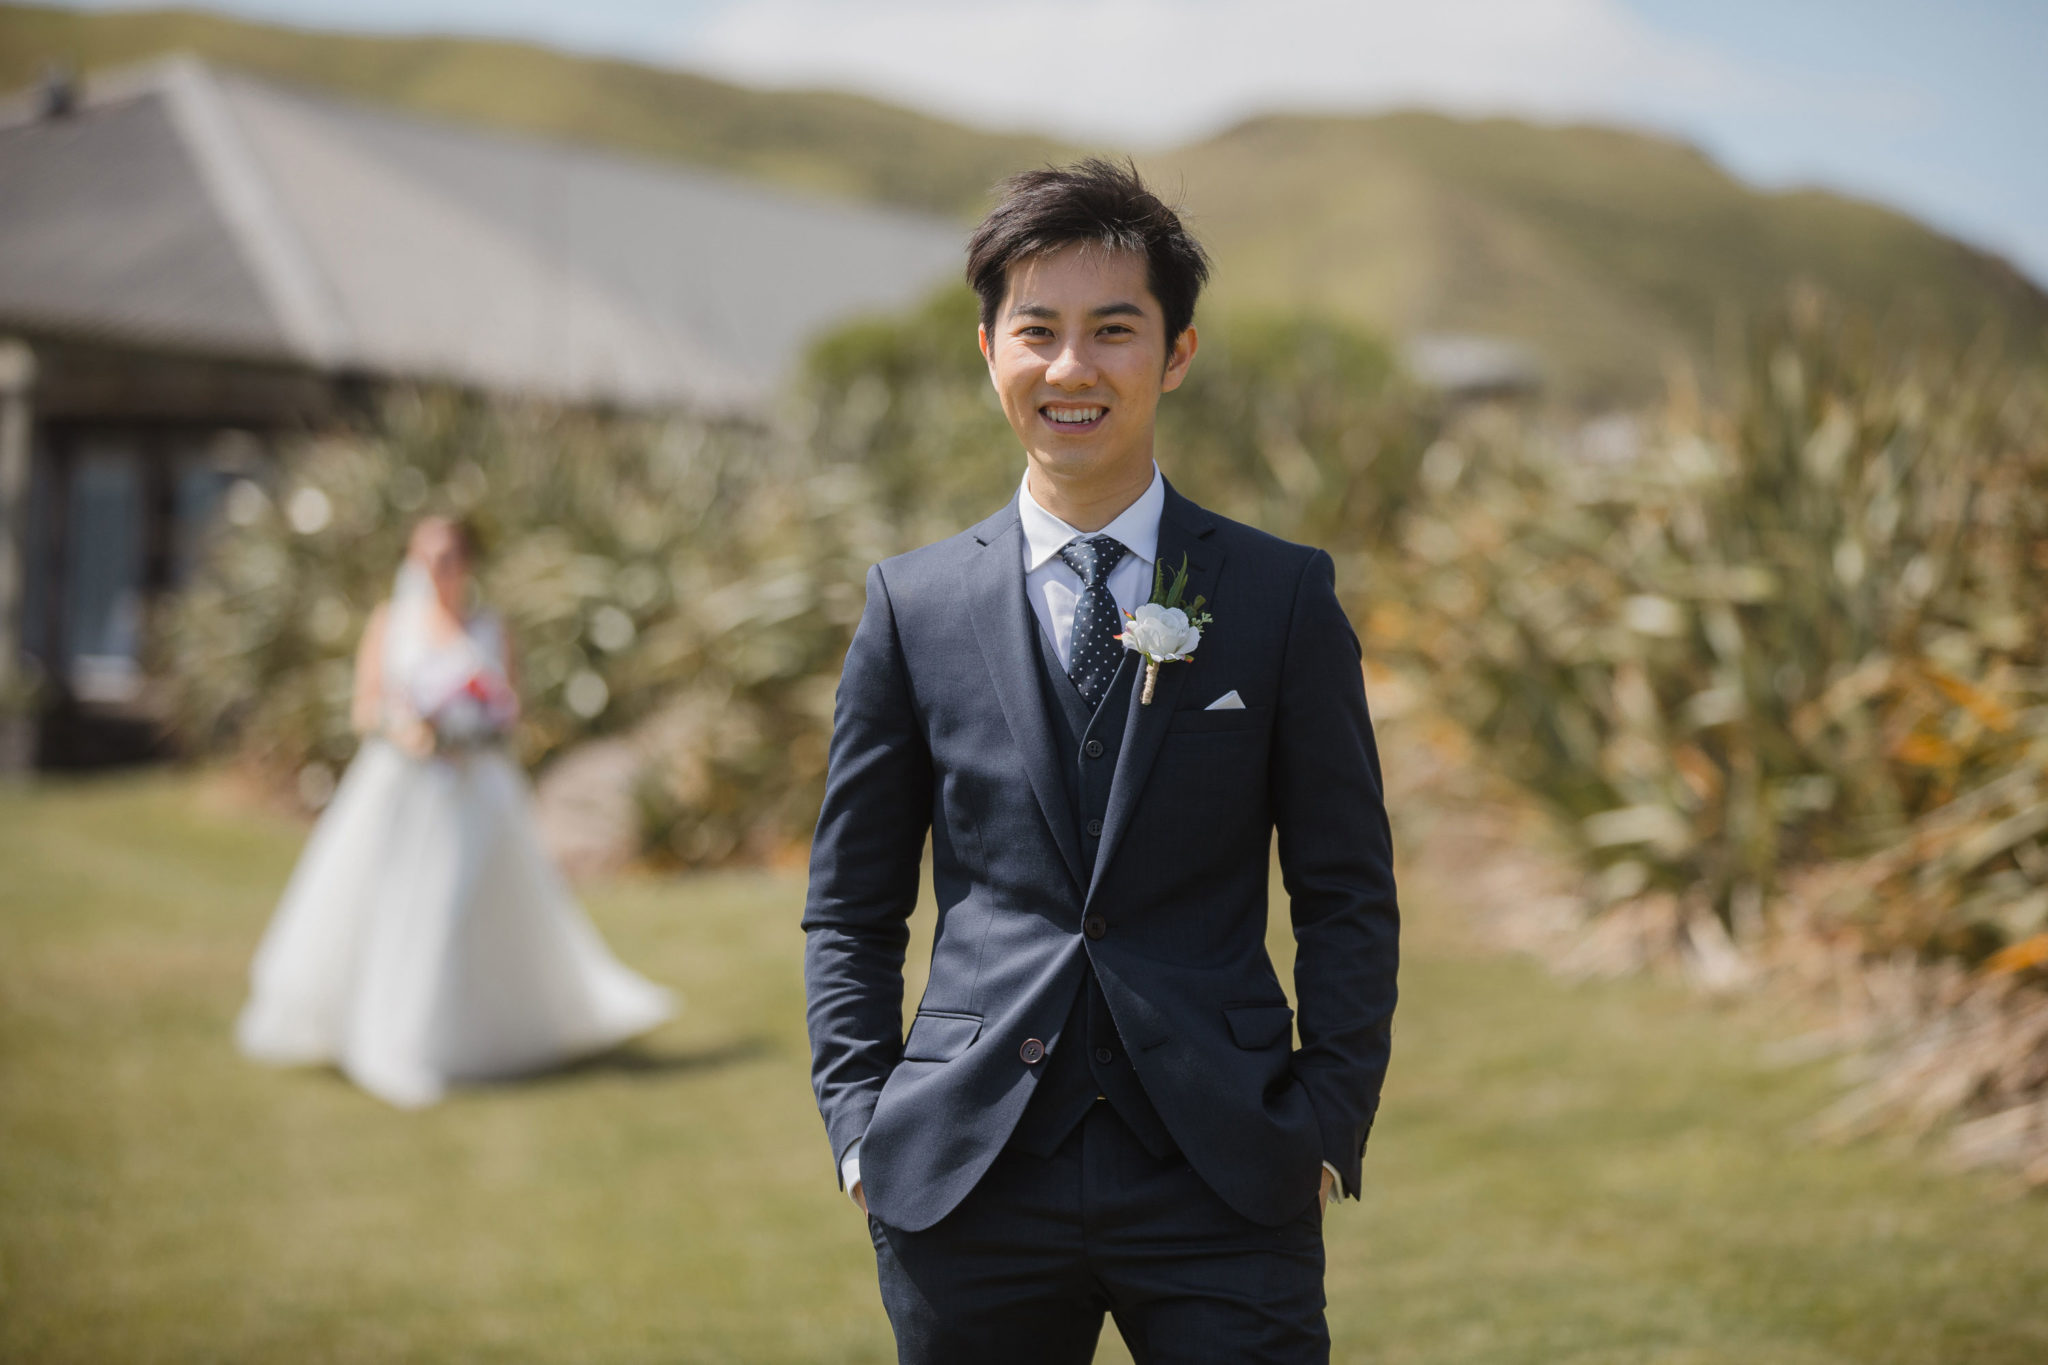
<point x="194" y="262"/>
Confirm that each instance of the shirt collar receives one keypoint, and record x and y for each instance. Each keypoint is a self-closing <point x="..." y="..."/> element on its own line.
<point x="1136" y="527"/>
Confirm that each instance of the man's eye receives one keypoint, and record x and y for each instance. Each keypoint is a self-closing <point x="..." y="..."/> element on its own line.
<point x="1035" y="332"/>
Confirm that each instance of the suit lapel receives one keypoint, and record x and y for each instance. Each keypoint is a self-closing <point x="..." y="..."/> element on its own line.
<point x="1183" y="528"/>
<point x="1003" y="627"/>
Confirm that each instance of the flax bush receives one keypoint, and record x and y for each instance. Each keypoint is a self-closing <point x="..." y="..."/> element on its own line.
<point x="1805" y="624"/>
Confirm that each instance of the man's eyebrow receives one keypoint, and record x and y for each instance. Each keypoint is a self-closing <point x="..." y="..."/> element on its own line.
<point x="1045" y="313"/>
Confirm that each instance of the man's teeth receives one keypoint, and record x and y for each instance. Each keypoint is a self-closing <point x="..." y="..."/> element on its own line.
<point x="1075" y="416"/>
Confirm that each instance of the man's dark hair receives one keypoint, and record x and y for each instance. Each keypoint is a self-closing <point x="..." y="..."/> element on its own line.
<point x="1103" y="203"/>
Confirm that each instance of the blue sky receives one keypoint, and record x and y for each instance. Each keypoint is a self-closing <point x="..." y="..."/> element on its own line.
<point x="1940" y="108"/>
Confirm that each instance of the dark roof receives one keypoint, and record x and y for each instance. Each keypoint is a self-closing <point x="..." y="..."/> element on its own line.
<point x="187" y="207"/>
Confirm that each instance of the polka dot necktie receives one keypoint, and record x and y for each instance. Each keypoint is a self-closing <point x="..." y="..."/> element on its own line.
<point x="1094" y="653"/>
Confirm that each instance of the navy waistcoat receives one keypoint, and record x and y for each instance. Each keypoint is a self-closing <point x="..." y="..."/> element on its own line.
<point x="1088" y="1059"/>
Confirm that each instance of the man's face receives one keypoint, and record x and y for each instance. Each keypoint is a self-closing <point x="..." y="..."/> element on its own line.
<point x="1079" y="357"/>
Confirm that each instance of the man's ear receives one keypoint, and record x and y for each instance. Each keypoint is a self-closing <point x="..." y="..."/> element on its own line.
<point x="988" y="356"/>
<point x="1178" y="359"/>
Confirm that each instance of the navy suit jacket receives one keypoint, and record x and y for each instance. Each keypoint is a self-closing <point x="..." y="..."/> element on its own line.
<point x="940" y="728"/>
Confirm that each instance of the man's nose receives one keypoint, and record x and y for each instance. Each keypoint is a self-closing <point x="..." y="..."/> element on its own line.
<point x="1069" y="370"/>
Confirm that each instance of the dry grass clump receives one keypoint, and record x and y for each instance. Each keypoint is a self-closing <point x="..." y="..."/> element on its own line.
<point x="1948" y="1051"/>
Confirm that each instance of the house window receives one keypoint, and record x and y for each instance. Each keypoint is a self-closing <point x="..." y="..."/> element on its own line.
<point x="35" y="558"/>
<point x="103" y="583"/>
<point x="205" y="471"/>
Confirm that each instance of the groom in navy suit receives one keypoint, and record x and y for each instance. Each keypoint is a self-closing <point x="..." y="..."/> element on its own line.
<point x="1101" y="1105"/>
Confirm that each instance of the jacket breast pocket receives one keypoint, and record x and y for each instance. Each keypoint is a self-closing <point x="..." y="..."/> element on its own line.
<point x="1258" y="1026"/>
<point x="940" y="1037"/>
<point x="1214" y="722"/>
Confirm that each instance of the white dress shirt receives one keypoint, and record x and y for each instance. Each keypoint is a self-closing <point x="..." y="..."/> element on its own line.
<point x="1054" y="589"/>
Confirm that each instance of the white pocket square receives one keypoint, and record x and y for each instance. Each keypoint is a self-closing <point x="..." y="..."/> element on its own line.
<point x="1229" y="701"/>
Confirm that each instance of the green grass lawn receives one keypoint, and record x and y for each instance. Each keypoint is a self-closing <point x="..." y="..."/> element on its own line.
<point x="1561" y="1173"/>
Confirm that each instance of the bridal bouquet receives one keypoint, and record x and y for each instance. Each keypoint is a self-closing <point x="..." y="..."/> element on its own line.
<point x="475" y="713"/>
<point x="462" y="712"/>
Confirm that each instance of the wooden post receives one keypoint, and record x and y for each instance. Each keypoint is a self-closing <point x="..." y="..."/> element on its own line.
<point x="17" y="716"/>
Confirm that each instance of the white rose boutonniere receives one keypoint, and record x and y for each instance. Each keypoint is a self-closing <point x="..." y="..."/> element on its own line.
<point x="1162" y="630"/>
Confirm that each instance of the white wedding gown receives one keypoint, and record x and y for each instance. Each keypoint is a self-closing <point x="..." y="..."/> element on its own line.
<point x="425" y="937"/>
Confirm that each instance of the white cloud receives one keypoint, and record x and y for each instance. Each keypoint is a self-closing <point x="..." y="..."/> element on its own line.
<point x="1150" y="71"/>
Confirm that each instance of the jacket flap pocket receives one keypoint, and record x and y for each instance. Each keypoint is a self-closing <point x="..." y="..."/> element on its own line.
<point x="940" y="1037"/>
<point x="1255" y="1026"/>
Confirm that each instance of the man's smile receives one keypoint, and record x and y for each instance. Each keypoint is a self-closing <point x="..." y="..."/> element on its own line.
<point x="1074" y="418"/>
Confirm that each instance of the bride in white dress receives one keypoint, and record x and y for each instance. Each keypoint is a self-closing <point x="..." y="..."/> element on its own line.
<point x="425" y="938"/>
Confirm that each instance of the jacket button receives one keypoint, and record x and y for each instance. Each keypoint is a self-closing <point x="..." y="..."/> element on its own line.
<point x="1095" y="926"/>
<point x="1033" y="1052"/>
<point x="1095" y="829"/>
<point x="1104" y="1056"/>
<point x="1093" y="748"/>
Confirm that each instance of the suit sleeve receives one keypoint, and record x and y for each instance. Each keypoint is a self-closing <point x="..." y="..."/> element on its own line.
<point x="1336" y="860"/>
<point x="865" y="861"/>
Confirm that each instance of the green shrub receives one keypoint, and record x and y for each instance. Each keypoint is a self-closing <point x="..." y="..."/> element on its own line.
<point x="907" y="402"/>
<point x="1299" y="426"/>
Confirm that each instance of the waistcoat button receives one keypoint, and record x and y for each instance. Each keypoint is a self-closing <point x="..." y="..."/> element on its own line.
<point x="1104" y="1055"/>
<point x="1093" y="748"/>
<point x="1095" y="829"/>
<point x="1033" y="1052"/>
<point x="1095" y="926"/>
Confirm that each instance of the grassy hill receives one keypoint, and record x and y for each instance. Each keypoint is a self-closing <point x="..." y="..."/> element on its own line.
<point x="1611" y="252"/>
